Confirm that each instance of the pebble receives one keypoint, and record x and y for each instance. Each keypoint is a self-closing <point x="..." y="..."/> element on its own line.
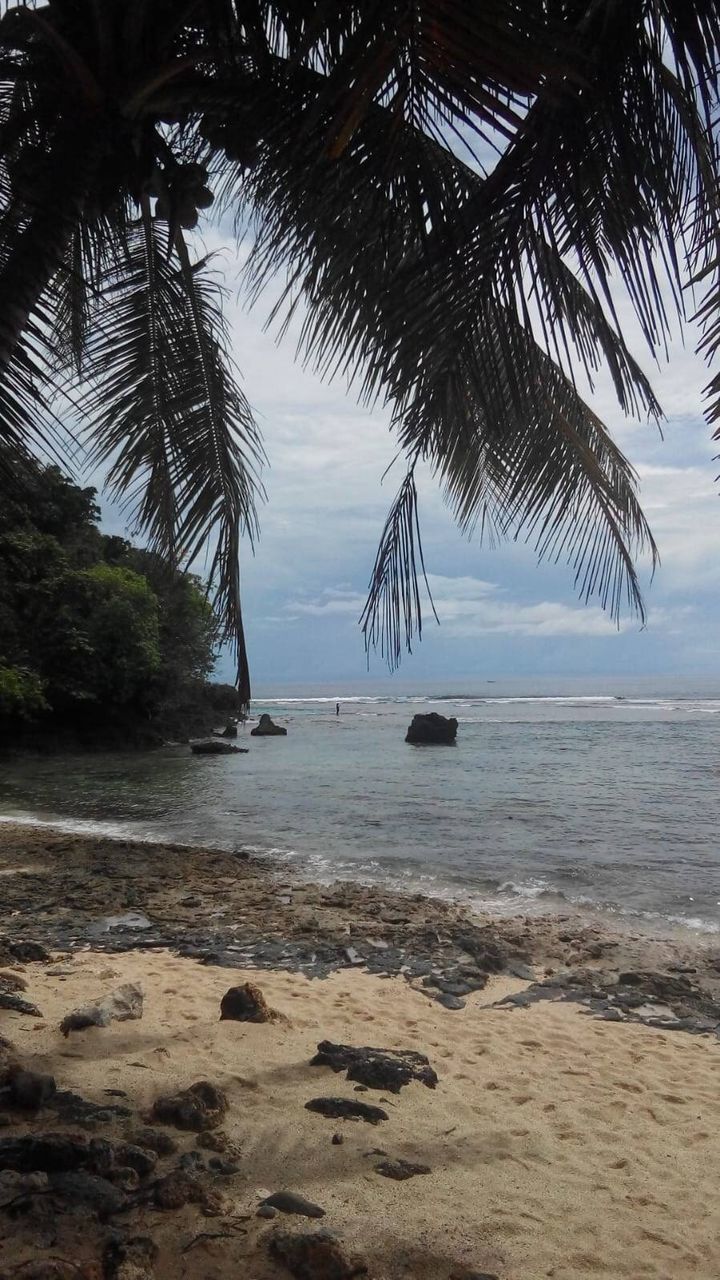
<point x="291" y="1202"/>
<point x="450" y="1002"/>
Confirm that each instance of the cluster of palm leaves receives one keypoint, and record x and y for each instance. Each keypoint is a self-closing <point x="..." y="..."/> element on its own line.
<point x="453" y="195"/>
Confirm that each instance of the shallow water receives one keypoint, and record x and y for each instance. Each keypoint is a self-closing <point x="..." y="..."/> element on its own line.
<point x="602" y="795"/>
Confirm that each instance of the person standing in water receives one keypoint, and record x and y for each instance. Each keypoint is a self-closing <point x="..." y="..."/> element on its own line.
<point x="337" y="708"/>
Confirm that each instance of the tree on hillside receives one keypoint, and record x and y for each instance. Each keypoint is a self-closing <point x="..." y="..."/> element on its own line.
<point x="453" y="192"/>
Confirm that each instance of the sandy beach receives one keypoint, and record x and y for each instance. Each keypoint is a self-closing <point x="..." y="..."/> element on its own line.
<point x="559" y="1143"/>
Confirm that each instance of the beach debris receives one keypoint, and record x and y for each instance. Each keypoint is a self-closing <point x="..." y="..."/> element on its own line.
<point x="202" y="1106"/>
<point x="315" y="1256"/>
<point x="129" y="1259"/>
<point x="122" y="1005"/>
<point x="432" y="730"/>
<point x="266" y="728"/>
<point x="401" y="1170"/>
<point x="245" y="1003"/>
<point x="346" y="1109"/>
<point x="389" y="1069"/>
<point x="216" y="747"/>
<point x="291" y="1202"/>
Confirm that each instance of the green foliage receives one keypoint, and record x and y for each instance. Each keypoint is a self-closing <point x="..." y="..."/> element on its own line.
<point x="21" y="694"/>
<point x="92" y="629"/>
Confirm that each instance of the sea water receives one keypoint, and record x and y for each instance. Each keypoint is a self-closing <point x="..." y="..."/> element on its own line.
<point x="559" y="795"/>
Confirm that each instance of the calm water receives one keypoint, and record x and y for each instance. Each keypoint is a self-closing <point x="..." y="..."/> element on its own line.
<point x="598" y="794"/>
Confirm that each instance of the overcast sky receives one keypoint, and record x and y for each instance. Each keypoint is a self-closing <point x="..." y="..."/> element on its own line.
<point x="501" y="613"/>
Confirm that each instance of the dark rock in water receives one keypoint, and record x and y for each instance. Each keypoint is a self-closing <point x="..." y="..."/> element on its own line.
<point x="265" y="728"/>
<point x="16" y="1004"/>
<point x="122" y="1005"/>
<point x="401" y="1170"/>
<point x="432" y="729"/>
<point x="389" y="1069"/>
<point x="450" y="1002"/>
<point x="290" y="1202"/>
<point x="245" y="1004"/>
<point x="202" y="1106"/>
<point x="230" y="730"/>
<point x="131" y="1259"/>
<point x="346" y="1108"/>
<point x="216" y="747"/>
<point x="315" y="1256"/>
<point x="87" y="1192"/>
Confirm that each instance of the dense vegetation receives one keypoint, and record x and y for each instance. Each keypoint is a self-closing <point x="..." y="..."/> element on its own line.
<point x="98" y="638"/>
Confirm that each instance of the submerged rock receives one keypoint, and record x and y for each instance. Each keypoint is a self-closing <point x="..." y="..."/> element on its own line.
<point x="346" y="1109"/>
<point x="266" y="728"/>
<point x="216" y="747"/>
<point x="245" y="1003"/>
<point x="315" y="1256"/>
<point x="202" y="1106"/>
<point x="125" y="1004"/>
<point x="432" y="729"/>
<point x="389" y="1069"/>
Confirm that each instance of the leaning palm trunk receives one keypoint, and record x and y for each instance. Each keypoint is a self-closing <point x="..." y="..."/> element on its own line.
<point x="464" y="293"/>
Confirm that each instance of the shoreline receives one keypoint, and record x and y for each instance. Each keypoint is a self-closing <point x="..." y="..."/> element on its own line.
<point x="631" y="925"/>
<point x="571" y="1131"/>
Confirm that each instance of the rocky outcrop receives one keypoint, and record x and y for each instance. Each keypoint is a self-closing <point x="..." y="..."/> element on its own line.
<point x="266" y="728"/>
<point x="216" y="747"/>
<point x="316" y="1256"/>
<point x="432" y="729"/>
<point x="389" y="1069"/>
<point x="202" y="1106"/>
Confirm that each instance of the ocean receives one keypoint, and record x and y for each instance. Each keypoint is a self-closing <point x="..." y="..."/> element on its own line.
<point x="560" y="795"/>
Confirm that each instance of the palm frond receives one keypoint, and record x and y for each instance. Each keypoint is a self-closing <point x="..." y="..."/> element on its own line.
<point x="165" y="414"/>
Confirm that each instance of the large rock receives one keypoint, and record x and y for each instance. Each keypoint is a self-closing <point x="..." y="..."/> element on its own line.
<point x="389" y="1069"/>
<point x="432" y="729"/>
<point x="265" y="728"/>
<point x="245" y="1004"/>
<point x="200" y="1107"/>
<point x="315" y="1256"/>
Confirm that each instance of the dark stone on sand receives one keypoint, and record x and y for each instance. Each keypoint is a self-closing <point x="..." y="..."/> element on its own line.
<point x="266" y="1211"/>
<point x="315" y="1256"/>
<point x="177" y="1189"/>
<point x="518" y="969"/>
<point x="450" y="1002"/>
<point x="131" y="1259"/>
<point x="125" y="1004"/>
<point x="25" y="951"/>
<point x="202" y="1106"/>
<point x="88" y="1192"/>
<point x="337" y="1139"/>
<point x="449" y="988"/>
<point x="154" y="1140"/>
<point x="291" y="1202"/>
<point x="216" y="747"/>
<point x="346" y="1109"/>
<point x="432" y="730"/>
<point x="28" y="1090"/>
<point x="389" y="1069"/>
<point x="63" y="1153"/>
<point x="14" y="1003"/>
<point x="245" y="1004"/>
<point x="401" y="1170"/>
<point x="266" y="728"/>
<point x="73" y="1109"/>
